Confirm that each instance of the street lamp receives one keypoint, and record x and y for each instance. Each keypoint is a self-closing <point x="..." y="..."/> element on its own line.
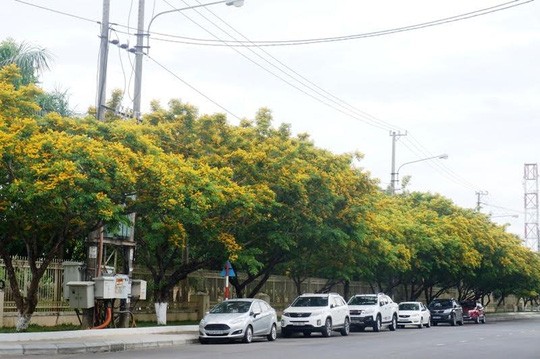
<point x="504" y="215"/>
<point x="140" y="45"/>
<point x="395" y="176"/>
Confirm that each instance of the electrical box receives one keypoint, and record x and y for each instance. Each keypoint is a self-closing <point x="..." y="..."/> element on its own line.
<point x="104" y="288"/>
<point x="72" y="272"/>
<point x="138" y="289"/>
<point x="121" y="286"/>
<point x="81" y="294"/>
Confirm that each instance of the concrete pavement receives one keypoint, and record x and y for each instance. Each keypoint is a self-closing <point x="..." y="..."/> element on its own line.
<point x="93" y="341"/>
<point x="113" y="340"/>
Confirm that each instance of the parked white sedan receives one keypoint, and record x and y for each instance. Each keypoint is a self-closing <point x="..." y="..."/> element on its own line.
<point x="239" y="319"/>
<point x="413" y="313"/>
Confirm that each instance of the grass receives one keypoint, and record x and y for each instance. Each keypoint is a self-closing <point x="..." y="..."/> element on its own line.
<point x="33" y="328"/>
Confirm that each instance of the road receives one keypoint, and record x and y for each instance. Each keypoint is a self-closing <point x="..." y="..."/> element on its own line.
<point x="518" y="339"/>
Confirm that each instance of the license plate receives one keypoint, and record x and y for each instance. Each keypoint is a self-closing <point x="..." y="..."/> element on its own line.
<point x="356" y="320"/>
<point x="436" y="317"/>
<point x="297" y="323"/>
<point x="216" y="332"/>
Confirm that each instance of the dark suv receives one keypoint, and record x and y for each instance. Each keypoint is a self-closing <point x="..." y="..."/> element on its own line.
<point x="446" y="311"/>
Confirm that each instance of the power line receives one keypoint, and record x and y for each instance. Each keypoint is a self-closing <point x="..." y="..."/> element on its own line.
<point x="304" y="86"/>
<point x="266" y="43"/>
<point x="58" y="12"/>
<point x="328" y="98"/>
<point x="192" y="87"/>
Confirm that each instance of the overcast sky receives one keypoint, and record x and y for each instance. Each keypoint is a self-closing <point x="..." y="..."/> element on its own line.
<point x="468" y="88"/>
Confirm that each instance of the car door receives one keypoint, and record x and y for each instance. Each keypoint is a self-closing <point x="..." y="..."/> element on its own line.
<point x="425" y="313"/>
<point x="261" y="318"/>
<point x="340" y="311"/>
<point x="385" y="309"/>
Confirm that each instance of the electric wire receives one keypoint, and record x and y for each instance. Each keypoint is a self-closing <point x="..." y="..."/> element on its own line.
<point x="192" y="87"/>
<point x="441" y="169"/>
<point x="263" y="43"/>
<point x="302" y="87"/>
<point x="324" y="100"/>
<point x="58" y="12"/>
<point x="231" y="43"/>
<point x="314" y="87"/>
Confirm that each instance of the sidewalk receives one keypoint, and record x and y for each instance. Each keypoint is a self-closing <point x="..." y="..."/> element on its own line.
<point x="114" y="340"/>
<point x="93" y="341"/>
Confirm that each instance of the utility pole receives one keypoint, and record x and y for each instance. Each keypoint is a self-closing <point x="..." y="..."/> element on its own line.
<point x="139" y="63"/>
<point x="393" y="175"/>
<point x="479" y="195"/>
<point x="103" y="57"/>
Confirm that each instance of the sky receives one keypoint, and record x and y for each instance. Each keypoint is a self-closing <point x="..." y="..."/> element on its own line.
<point x="467" y="88"/>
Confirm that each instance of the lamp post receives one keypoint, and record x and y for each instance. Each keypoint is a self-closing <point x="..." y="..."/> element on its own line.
<point x="395" y="176"/>
<point x="140" y="45"/>
<point x="504" y="215"/>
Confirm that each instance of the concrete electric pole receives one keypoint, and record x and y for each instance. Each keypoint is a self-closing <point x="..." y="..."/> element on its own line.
<point x="103" y="57"/>
<point x="393" y="175"/>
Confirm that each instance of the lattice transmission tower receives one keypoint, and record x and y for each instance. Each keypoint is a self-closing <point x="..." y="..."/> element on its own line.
<point x="530" y="183"/>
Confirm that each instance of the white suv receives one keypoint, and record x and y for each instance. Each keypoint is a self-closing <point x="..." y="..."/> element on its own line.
<point x="373" y="310"/>
<point x="316" y="313"/>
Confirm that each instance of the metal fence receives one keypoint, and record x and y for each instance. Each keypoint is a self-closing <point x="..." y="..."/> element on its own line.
<point x="50" y="286"/>
<point x="280" y="290"/>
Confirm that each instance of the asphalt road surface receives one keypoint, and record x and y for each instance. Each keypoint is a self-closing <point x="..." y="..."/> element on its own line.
<point x="519" y="339"/>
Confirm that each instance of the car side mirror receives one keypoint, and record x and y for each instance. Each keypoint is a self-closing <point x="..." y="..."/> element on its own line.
<point x="332" y="305"/>
<point x="255" y="315"/>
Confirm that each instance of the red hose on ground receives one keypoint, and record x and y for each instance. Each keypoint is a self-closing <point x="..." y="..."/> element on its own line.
<point x="107" y="320"/>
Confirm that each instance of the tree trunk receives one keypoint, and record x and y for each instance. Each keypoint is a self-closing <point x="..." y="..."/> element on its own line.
<point x="23" y="320"/>
<point x="161" y="312"/>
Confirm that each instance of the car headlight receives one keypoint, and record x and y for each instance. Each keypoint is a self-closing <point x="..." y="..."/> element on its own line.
<point x="202" y="323"/>
<point x="369" y="311"/>
<point x="447" y="311"/>
<point x="286" y="314"/>
<point x="317" y="313"/>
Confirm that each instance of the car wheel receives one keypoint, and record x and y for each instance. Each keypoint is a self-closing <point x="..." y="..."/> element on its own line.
<point x="393" y="325"/>
<point x="203" y="340"/>
<point x="477" y="320"/>
<point x="248" y="337"/>
<point x="428" y="324"/>
<point x="460" y="323"/>
<point x="453" y="320"/>
<point x="285" y="333"/>
<point x="327" y="329"/>
<point x="434" y="323"/>
<point x="377" y="324"/>
<point x="401" y="326"/>
<point x="421" y="325"/>
<point x="346" y="328"/>
<point x="307" y="333"/>
<point x="483" y="320"/>
<point x="273" y="334"/>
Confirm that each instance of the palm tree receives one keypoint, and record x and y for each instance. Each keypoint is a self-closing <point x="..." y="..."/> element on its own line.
<point x="31" y="60"/>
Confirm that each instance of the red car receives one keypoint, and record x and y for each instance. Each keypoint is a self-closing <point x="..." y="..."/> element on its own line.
<point x="473" y="311"/>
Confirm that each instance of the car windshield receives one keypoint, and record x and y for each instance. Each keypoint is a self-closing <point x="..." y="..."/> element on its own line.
<point x="310" y="302"/>
<point x="445" y="303"/>
<point x="468" y="304"/>
<point x="231" y="307"/>
<point x="409" y="306"/>
<point x="363" y="300"/>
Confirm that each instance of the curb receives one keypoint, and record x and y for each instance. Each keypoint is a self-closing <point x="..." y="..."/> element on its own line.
<point x="121" y="344"/>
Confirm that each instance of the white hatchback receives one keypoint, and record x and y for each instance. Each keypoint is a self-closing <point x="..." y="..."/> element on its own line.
<point x="413" y="313"/>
